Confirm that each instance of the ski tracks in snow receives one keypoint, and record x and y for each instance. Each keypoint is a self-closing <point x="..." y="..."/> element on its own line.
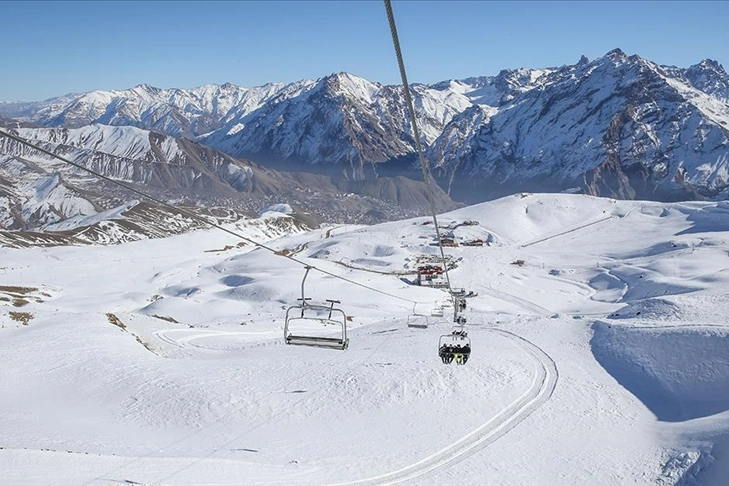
<point x="543" y="385"/>
<point x="518" y="301"/>
<point x="190" y="335"/>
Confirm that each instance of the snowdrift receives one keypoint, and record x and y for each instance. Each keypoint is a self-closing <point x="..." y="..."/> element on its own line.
<point x="679" y="373"/>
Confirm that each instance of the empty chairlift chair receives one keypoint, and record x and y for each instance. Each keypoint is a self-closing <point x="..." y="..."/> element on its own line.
<point x="318" y="325"/>
<point x="418" y="320"/>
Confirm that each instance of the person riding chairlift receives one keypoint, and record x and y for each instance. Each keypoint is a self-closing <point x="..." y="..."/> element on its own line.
<point x="462" y="353"/>
<point x="446" y="354"/>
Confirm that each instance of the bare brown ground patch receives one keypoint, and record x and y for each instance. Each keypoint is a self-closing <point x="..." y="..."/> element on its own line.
<point x="227" y="247"/>
<point x="22" y="317"/>
<point x="116" y="321"/>
<point x="14" y="289"/>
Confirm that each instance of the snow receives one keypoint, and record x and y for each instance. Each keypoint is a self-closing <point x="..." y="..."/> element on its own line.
<point x="279" y="208"/>
<point x="712" y="108"/>
<point x="128" y="142"/>
<point x="6" y="216"/>
<point x="235" y="129"/>
<point x="80" y="221"/>
<point x="52" y="201"/>
<point x="603" y="358"/>
<point x="356" y="86"/>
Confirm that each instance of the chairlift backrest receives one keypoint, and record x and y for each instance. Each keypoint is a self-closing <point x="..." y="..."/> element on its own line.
<point x="316" y="325"/>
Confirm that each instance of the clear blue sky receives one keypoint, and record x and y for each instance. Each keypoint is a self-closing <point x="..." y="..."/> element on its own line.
<point x="56" y="47"/>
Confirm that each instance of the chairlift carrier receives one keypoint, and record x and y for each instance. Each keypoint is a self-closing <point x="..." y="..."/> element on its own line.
<point x="314" y="313"/>
<point x="455" y="346"/>
<point x="416" y="320"/>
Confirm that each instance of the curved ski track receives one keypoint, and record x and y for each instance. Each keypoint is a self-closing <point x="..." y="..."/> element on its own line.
<point x="545" y="380"/>
<point x="541" y="389"/>
<point x="186" y="342"/>
<point x="518" y="301"/>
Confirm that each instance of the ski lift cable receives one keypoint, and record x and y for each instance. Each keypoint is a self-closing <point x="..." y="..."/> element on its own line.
<point x="413" y="121"/>
<point x="194" y="216"/>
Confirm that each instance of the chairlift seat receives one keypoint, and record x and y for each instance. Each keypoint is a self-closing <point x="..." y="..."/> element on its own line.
<point x="317" y="341"/>
<point x="419" y="321"/>
<point x="455" y="346"/>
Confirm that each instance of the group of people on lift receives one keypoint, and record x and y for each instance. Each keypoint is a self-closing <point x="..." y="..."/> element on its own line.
<point x="450" y="352"/>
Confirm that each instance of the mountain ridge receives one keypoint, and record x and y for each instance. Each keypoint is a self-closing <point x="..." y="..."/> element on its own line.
<point x="38" y="192"/>
<point x="617" y="126"/>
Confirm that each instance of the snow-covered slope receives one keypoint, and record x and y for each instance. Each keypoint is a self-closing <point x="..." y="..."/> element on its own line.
<point x="599" y="354"/>
<point x="36" y="190"/>
<point x="125" y="153"/>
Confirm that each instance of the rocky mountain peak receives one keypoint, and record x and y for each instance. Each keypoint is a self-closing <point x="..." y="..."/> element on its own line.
<point x="616" y="54"/>
<point x="710" y="77"/>
<point x="711" y="64"/>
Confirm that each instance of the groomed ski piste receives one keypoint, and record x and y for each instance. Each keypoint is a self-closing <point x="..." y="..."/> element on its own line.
<point x="600" y="354"/>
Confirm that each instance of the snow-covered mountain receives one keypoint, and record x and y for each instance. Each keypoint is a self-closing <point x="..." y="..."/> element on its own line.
<point x="130" y="154"/>
<point x="707" y="76"/>
<point x="37" y="191"/>
<point x="135" y="220"/>
<point x="618" y="125"/>
<point x="176" y="112"/>
<point x="341" y="122"/>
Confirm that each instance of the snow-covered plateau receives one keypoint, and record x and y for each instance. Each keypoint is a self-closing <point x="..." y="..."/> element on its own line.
<point x="600" y="353"/>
